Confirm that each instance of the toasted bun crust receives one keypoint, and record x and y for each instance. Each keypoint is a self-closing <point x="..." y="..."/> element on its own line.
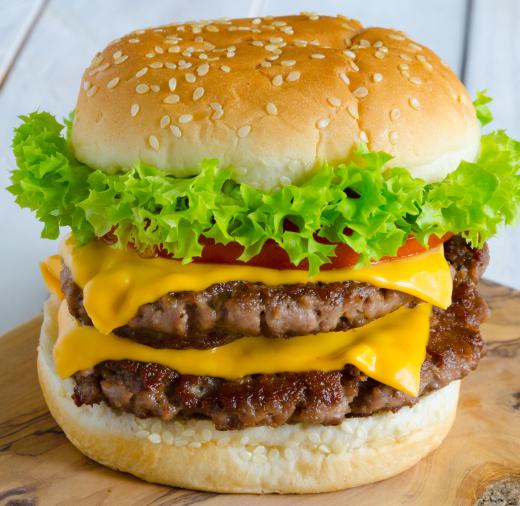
<point x="272" y="98"/>
<point x="298" y="458"/>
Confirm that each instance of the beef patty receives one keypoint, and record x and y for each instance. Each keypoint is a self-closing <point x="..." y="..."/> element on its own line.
<point x="227" y="311"/>
<point x="150" y="390"/>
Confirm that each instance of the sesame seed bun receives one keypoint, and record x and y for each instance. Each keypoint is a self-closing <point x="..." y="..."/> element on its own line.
<point x="273" y="98"/>
<point x="299" y="458"/>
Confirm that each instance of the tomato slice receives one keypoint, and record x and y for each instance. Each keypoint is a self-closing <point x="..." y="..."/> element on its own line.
<point x="274" y="257"/>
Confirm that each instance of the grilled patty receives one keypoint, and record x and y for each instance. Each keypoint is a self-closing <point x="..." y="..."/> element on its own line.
<point x="150" y="390"/>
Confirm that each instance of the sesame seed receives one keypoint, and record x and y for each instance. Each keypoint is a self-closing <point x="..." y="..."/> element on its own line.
<point x="334" y="101"/>
<point x="353" y="110"/>
<point x="349" y="53"/>
<point x="256" y="21"/>
<point x="293" y="76"/>
<point x="257" y="43"/>
<point x="171" y="99"/>
<point x="395" y="114"/>
<point x="170" y="65"/>
<point x="266" y="64"/>
<point x="121" y="60"/>
<point x="142" y="88"/>
<point x="323" y="123"/>
<point x="134" y="110"/>
<point x="415" y="80"/>
<point x="271" y="109"/>
<point x="212" y="28"/>
<point x="154" y="438"/>
<point x="203" y="69"/>
<point x="288" y="63"/>
<point x="156" y="65"/>
<point x="190" y="78"/>
<point x="414" y="103"/>
<point x="379" y="54"/>
<point x="176" y="131"/>
<point x="154" y="142"/>
<point x="113" y="83"/>
<point x="197" y="93"/>
<point x="174" y="49"/>
<point x="324" y="449"/>
<point x="155" y="87"/>
<point x="117" y="55"/>
<point x="272" y="57"/>
<point x="396" y="36"/>
<point x="360" y="92"/>
<point x="183" y="64"/>
<point x="364" y="43"/>
<point x="172" y="83"/>
<point x="165" y="121"/>
<point x="393" y="137"/>
<point x="185" y="118"/>
<point x="415" y="47"/>
<point x="277" y="80"/>
<point x="355" y="68"/>
<point x="97" y="59"/>
<point x="142" y="72"/>
<point x="150" y="55"/>
<point x="405" y="57"/>
<point x="318" y="56"/>
<point x="99" y="69"/>
<point x="343" y="76"/>
<point x="217" y="114"/>
<point x="92" y="91"/>
<point x="314" y="17"/>
<point x="134" y="41"/>
<point x="275" y="40"/>
<point x="159" y="50"/>
<point x="225" y="68"/>
<point x="244" y="131"/>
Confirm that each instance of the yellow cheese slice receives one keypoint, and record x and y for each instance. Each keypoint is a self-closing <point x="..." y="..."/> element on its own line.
<point x="50" y="269"/>
<point x="116" y="282"/>
<point x="390" y="349"/>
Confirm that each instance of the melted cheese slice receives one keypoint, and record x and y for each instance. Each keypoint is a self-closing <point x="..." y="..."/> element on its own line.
<point x="50" y="269"/>
<point x="390" y="349"/>
<point x="117" y="282"/>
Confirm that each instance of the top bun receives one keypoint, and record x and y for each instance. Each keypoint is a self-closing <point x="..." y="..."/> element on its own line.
<point x="272" y="98"/>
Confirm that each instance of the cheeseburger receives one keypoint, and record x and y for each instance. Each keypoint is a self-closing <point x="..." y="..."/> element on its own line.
<point x="277" y="229"/>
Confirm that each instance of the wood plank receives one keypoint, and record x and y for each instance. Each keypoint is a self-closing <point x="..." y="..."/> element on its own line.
<point x="38" y="465"/>
<point x="47" y="77"/>
<point x="493" y="63"/>
<point x="439" y="24"/>
<point x="16" y="22"/>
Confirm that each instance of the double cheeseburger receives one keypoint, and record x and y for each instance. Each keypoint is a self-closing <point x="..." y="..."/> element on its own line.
<point x="278" y="226"/>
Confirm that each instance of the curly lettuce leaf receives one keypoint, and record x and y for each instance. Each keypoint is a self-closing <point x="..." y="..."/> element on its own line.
<point x="484" y="114"/>
<point x="360" y="204"/>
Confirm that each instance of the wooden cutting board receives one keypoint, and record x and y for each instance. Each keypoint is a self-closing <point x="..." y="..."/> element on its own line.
<point x="479" y="463"/>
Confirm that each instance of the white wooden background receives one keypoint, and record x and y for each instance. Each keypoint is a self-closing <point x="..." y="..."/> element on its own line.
<point x="45" y="45"/>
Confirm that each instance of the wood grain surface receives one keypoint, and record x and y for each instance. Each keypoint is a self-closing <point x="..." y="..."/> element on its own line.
<point x="479" y="463"/>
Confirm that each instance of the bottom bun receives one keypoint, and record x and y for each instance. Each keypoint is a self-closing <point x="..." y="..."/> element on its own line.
<point x="299" y="458"/>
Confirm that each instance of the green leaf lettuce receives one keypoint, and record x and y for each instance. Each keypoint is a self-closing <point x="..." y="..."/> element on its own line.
<point x="380" y="208"/>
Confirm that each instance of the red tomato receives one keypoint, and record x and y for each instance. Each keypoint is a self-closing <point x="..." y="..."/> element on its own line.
<point x="275" y="257"/>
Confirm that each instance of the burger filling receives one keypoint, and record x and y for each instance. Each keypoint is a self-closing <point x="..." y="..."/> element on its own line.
<point x="226" y="312"/>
